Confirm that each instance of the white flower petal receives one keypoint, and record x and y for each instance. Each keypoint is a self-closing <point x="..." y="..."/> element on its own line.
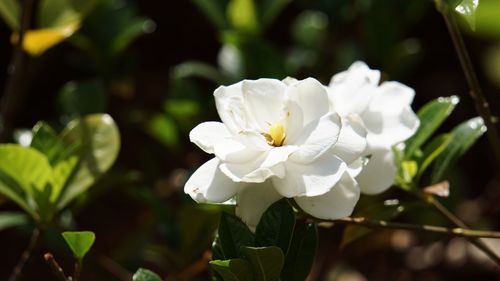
<point x="265" y="101"/>
<point x="231" y="109"/>
<point x="338" y="203"/>
<point x="312" y="98"/>
<point x="266" y="165"/>
<point x="231" y="150"/>
<point x="313" y="179"/>
<point x="206" y="134"/>
<point x="392" y="96"/>
<point x="386" y="128"/>
<point x="209" y="185"/>
<point x="254" y="140"/>
<point x="253" y="201"/>
<point x="355" y="168"/>
<point x="351" y="91"/>
<point x="352" y="139"/>
<point x="378" y="175"/>
<point x="316" y="138"/>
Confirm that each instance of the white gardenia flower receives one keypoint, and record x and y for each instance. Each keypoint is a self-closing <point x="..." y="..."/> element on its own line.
<point x="386" y="114"/>
<point x="278" y="139"/>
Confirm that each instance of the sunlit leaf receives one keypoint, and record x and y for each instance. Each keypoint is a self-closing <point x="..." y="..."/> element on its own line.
<point x="232" y="270"/>
<point x="266" y="262"/>
<point x="79" y="242"/>
<point x="100" y="141"/>
<point x="233" y="234"/>
<point x="301" y="254"/>
<point x="467" y="9"/>
<point x="463" y="137"/>
<point x="431" y="116"/>
<point x="12" y="219"/>
<point x="275" y="228"/>
<point x="46" y="140"/>
<point x="243" y="15"/>
<point x="145" y="275"/>
<point x="432" y="150"/>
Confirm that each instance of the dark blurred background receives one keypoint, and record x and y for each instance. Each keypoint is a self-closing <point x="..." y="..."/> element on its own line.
<point x="153" y="66"/>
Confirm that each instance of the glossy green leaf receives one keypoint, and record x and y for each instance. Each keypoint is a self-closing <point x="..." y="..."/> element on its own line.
<point x="432" y="150"/>
<point x="233" y="235"/>
<point x="100" y="140"/>
<point x="431" y="116"/>
<point x="463" y="137"/>
<point x="215" y="11"/>
<point x="12" y="219"/>
<point x="467" y="9"/>
<point x="276" y="225"/>
<point x="242" y="15"/>
<point x="79" y="242"/>
<point x="266" y="262"/>
<point x="232" y="270"/>
<point x="301" y="254"/>
<point x="10" y="12"/>
<point x="145" y="275"/>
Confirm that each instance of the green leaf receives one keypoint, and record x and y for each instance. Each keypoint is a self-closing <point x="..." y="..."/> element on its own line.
<point x="269" y="9"/>
<point x="12" y="219"/>
<point x="100" y="140"/>
<point x="463" y="137"/>
<point x="46" y="141"/>
<point x="232" y="270"/>
<point x="266" y="262"/>
<point x="431" y="116"/>
<point x="163" y="128"/>
<point x="145" y="275"/>
<point x="242" y="15"/>
<point x="467" y="9"/>
<point x="487" y="23"/>
<point x="301" y="254"/>
<point x="10" y="12"/>
<point x="275" y="228"/>
<point x="82" y="98"/>
<point x="409" y="170"/>
<point x="432" y="150"/>
<point x="197" y="69"/>
<point x="79" y="242"/>
<point x="233" y="235"/>
<point x="215" y="11"/>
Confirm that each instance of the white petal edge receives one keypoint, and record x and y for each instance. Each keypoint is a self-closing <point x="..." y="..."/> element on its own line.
<point x="392" y="96"/>
<point x="206" y="134"/>
<point x="352" y="141"/>
<point x="313" y="179"/>
<point x="379" y="173"/>
<point x="253" y="200"/>
<point x="209" y="185"/>
<point x="338" y="203"/>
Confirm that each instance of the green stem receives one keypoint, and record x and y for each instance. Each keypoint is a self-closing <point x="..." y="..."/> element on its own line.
<point x="475" y="91"/>
<point x="460" y="232"/>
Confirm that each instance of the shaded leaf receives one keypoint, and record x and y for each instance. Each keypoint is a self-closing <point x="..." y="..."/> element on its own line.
<point x="463" y="137"/>
<point x="301" y="254"/>
<point x="266" y="262"/>
<point x="276" y="225"/>
<point x="82" y="98"/>
<point x="10" y="12"/>
<point x="233" y="234"/>
<point x="12" y="219"/>
<point x="145" y="275"/>
<point x="215" y="11"/>
<point x="431" y="116"/>
<point x="232" y="270"/>
<point x="45" y="140"/>
<point x="270" y="9"/>
<point x="79" y="242"/>
<point x="433" y="150"/>
<point x="100" y="140"/>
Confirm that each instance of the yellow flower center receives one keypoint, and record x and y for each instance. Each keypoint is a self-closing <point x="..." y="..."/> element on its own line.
<point x="276" y="135"/>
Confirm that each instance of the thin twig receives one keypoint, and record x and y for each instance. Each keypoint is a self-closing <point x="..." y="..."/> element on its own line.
<point x="56" y="269"/>
<point x="16" y="272"/>
<point x="475" y="91"/>
<point x="461" y="232"/>
<point x="78" y="270"/>
<point x="13" y="88"/>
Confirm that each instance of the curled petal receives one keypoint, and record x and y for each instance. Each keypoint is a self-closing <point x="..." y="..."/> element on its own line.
<point x="268" y="164"/>
<point x="209" y="185"/>
<point x="313" y="179"/>
<point x="253" y="200"/>
<point x="316" y="138"/>
<point x="339" y="202"/>
<point x="206" y="134"/>
<point x="379" y="173"/>
<point x="265" y="101"/>
<point x="352" y="139"/>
